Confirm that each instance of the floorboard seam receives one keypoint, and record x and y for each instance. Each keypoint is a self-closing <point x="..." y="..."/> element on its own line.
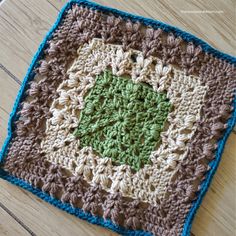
<point x="10" y="74"/>
<point x="53" y="6"/>
<point x="17" y="219"/>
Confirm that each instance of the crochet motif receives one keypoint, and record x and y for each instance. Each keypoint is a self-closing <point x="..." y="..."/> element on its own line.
<point x="120" y="119"/>
<point x="148" y="184"/>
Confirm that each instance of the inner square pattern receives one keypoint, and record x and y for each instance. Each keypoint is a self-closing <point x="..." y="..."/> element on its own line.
<point x="123" y="120"/>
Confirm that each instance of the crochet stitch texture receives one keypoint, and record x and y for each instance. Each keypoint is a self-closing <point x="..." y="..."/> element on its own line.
<point x="121" y="120"/>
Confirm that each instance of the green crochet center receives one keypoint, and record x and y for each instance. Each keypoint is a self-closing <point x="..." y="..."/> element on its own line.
<point x="122" y="120"/>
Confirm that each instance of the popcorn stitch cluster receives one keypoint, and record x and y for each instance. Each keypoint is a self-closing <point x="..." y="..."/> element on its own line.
<point x="45" y="153"/>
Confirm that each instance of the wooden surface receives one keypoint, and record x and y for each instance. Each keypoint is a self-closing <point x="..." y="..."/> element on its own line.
<point x="23" y="24"/>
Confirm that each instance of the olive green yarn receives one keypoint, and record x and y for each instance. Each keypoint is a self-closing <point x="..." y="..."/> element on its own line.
<point x="122" y="120"/>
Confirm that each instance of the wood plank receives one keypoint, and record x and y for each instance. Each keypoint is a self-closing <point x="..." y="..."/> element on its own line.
<point x="9" y="89"/>
<point x="23" y="25"/>
<point x="9" y="227"/>
<point x="43" y="218"/>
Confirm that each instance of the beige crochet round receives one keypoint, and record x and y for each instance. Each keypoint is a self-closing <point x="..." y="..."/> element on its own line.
<point x="185" y="93"/>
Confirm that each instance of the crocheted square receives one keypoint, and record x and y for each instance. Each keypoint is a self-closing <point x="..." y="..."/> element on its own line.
<point x="121" y="120"/>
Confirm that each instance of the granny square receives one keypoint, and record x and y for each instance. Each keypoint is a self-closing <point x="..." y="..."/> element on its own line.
<point x="121" y="120"/>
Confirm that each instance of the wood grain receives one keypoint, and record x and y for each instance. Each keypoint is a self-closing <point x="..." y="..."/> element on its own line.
<point x="24" y="23"/>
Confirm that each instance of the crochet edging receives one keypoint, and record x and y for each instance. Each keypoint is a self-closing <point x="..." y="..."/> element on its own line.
<point x="68" y="208"/>
<point x="209" y="176"/>
<point x="76" y="211"/>
<point x="164" y="26"/>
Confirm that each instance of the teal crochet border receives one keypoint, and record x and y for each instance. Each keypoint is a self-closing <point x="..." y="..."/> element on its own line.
<point x="30" y="75"/>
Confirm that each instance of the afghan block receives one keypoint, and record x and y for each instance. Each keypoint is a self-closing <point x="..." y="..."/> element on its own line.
<point x="121" y="120"/>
